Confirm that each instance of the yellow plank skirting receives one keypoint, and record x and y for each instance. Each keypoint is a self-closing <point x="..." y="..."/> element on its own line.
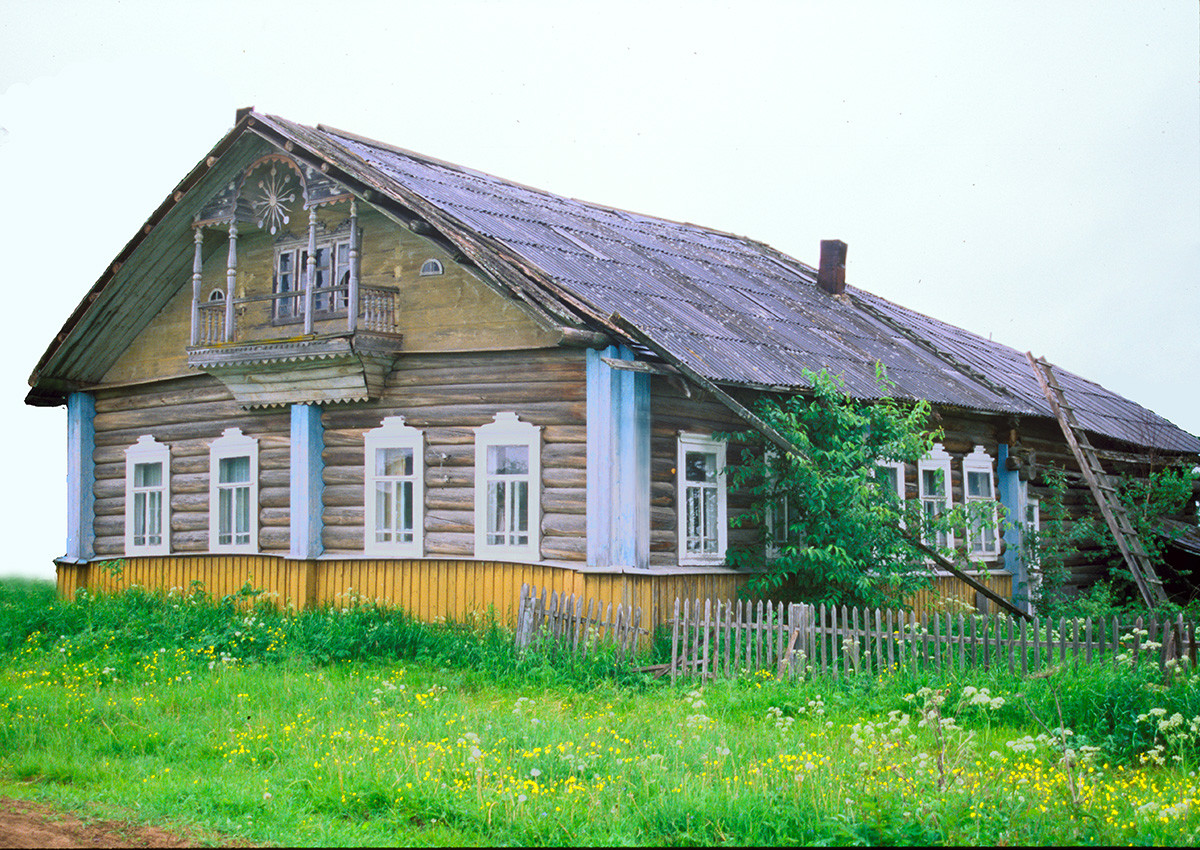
<point x="433" y="589"/>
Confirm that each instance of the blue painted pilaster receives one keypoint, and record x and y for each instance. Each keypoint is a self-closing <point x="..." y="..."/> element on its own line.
<point x="1008" y="484"/>
<point x="618" y="441"/>
<point x="81" y="477"/>
<point x="307" y="466"/>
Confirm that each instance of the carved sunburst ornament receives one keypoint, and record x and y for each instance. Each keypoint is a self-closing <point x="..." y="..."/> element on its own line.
<point x="276" y="192"/>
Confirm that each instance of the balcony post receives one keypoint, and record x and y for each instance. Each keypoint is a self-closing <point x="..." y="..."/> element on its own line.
<point x="197" y="266"/>
<point x="352" y="294"/>
<point x="230" y="281"/>
<point x="310" y="277"/>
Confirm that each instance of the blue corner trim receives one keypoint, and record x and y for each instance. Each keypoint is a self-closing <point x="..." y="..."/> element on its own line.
<point x="1009" y="487"/>
<point x="307" y="484"/>
<point x="618" y="461"/>
<point x="81" y="476"/>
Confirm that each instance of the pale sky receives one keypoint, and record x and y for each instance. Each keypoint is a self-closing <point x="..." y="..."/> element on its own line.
<point x="1029" y="171"/>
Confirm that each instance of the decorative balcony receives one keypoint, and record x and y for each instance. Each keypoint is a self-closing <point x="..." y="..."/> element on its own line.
<point x="299" y="347"/>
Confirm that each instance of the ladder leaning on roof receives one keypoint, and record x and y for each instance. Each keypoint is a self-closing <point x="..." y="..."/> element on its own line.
<point x="1132" y="550"/>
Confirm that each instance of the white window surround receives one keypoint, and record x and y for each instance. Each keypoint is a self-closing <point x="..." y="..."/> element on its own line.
<point x="237" y="512"/>
<point x="431" y="267"/>
<point x="779" y="514"/>
<point x="148" y="498"/>
<point x="979" y="487"/>
<point x="702" y="502"/>
<point x="935" y="491"/>
<point x="508" y="489"/>
<point x="394" y="490"/>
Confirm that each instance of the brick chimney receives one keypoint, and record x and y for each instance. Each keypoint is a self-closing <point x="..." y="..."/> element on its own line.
<point x="831" y="275"/>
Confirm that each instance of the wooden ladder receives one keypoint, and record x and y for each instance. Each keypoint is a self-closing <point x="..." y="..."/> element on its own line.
<point x="1105" y="494"/>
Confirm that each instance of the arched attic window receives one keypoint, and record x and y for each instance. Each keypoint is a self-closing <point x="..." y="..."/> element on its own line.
<point x="431" y="267"/>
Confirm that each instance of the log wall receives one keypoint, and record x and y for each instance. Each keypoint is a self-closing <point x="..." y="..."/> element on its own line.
<point x="187" y="414"/>
<point x="448" y="396"/>
<point x="672" y="411"/>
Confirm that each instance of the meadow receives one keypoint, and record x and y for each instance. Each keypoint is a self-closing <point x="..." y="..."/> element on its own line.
<point x="359" y="726"/>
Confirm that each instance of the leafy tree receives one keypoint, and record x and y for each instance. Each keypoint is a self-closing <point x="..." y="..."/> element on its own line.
<point x="831" y="525"/>
<point x="1162" y="494"/>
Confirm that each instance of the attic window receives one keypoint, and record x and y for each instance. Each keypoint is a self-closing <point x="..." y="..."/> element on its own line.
<point x="431" y="267"/>
<point x="216" y="295"/>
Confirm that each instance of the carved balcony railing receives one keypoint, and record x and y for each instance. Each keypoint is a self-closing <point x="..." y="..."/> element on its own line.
<point x="210" y="323"/>
<point x="220" y="322"/>
<point x="378" y="309"/>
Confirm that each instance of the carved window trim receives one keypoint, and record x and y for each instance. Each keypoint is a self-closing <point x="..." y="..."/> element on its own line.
<point x="936" y="498"/>
<point x="497" y="490"/>
<point x="233" y="445"/>
<point x="410" y="487"/>
<point x="147" y="504"/>
<point x="708" y="543"/>
<point x="979" y="475"/>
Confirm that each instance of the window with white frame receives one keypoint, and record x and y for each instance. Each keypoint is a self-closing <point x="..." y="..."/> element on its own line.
<point x="933" y="474"/>
<point x="332" y="270"/>
<point x="147" y="498"/>
<point x="700" y="488"/>
<point x="782" y="513"/>
<point x="233" y="493"/>
<point x="979" y="496"/>
<point x="508" y="489"/>
<point x="395" y="489"/>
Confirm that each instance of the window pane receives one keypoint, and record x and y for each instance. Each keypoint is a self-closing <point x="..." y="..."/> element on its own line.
<point x="979" y="485"/>
<point x="154" y="517"/>
<point x="234" y="470"/>
<point x="700" y="466"/>
<point x="932" y="482"/>
<point x="404" y="525"/>
<point x="890" y="478"/>
<point x="394" y="462"/>
<point x="242" y="503"/>
<point x="508" y="460"/>
<point x="383" y="511"/>
<point x="710" y="520"/>
<point x="224" y="516"/>
<point x="147" y="475"/>
<point x="139" y="519"/>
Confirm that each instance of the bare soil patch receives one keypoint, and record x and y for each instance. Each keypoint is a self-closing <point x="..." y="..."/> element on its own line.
<point x="27" y="824"/>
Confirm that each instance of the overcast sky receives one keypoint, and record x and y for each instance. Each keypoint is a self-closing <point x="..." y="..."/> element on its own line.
<point x="1029" y="171"/>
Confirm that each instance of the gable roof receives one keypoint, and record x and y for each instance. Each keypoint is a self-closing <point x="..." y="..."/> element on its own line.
<point x="731" y="309"/>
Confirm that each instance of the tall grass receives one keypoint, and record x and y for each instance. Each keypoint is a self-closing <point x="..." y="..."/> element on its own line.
<point x="251" y="721"/>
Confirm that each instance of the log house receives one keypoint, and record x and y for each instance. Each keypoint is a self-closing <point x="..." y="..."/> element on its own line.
<point x="330" y="366"/>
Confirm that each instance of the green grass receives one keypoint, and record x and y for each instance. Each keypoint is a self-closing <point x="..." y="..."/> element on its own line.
<point x="364" y="727"/>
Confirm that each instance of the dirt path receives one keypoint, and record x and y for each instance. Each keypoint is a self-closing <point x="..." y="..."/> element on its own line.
<point x="27" y="824"/>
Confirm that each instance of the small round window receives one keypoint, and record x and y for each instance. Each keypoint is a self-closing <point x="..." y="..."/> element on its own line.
<point x="216" y="295"/>
<point x="431" y="267"/>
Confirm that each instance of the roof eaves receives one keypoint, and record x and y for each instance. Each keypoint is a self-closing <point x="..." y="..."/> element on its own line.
<point x="47" y="397"/>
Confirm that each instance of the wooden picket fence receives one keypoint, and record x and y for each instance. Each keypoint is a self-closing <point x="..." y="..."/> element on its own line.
<point x="727" y="639"/>
<point x="565" y="620"/>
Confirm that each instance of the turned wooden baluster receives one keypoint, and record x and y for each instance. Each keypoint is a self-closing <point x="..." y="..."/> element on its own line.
<point x="352" y="295"/>
<point x="230" y="281"/>
<point x="310" y="277"/>
<point x="197" y="263"/>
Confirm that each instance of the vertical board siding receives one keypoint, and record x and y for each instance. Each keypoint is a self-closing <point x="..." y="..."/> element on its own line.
<point x="432" y="590"/>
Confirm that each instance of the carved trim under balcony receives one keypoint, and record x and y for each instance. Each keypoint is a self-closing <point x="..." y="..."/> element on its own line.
<point x="306" y="370"/>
